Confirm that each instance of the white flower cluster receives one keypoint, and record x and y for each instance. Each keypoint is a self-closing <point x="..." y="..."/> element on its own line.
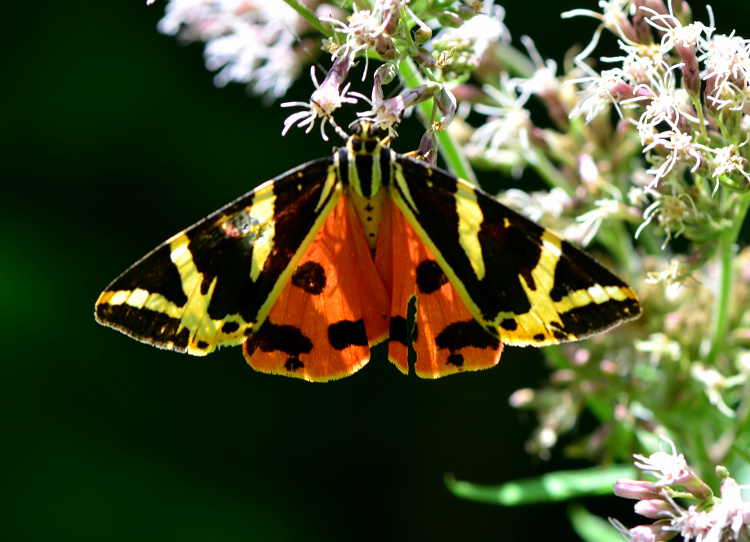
<point x="266" y="46"/>
<point x="247" y="42"/>
<point x="677" y="117"/>
<point x="714" y="519"/>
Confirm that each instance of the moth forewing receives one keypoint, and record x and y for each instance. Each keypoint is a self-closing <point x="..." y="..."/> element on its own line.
<point x="213" y="283"/>
<point x="522" y="282"/>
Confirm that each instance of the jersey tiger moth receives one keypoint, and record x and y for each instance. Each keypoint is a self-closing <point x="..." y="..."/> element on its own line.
<point x="312" y="268"/>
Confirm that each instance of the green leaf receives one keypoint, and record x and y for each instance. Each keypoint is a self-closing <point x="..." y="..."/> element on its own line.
<point x="555" y="486"/>
<point x="591" y="528"/>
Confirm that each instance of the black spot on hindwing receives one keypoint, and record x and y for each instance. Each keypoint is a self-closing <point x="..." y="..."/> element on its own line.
<point x="347" y="333"/>
<point x="283" y="338"/>
<point x="430" y="278"/>
<point x="293" y="364"/>
<point x="460" y="335"/>
<point x="398" y="330"/>
<point x="456" y="360"/>
<point x="311" y="277"/>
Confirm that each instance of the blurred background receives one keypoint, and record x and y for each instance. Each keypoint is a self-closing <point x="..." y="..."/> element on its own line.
<point x="114" y="138"/>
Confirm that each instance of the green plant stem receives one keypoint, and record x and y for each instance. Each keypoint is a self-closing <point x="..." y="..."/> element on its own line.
<point x="449" y="149"/>
<point x="727" y="241"/>
<point x="309" y="16"/>
<point x="743" y="413"/>
<point x="648" y="241"/>
<point x="700" y="124"/>
<point x="547" y="170"/>
<point x="515" y="62"/>
<point x="616" y="240"/>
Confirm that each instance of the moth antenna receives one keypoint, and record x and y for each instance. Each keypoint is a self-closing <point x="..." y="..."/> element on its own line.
<point x="338" y="129"/>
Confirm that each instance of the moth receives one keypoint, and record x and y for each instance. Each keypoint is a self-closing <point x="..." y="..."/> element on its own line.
<point x="313" y="268"/>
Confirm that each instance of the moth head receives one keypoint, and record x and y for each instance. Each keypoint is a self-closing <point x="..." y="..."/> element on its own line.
<point x="365" y="139"/>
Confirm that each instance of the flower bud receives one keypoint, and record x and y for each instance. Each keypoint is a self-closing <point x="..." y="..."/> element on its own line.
<point x="428" y="147"/>
<point x="328" y="95"/>
<point x="384" y="75"/>
<point x="523" y="398"/>
<point x="446" y="102"/>
<point x="636" y="489"/>
<point x="425" y="59"/>
<point x="685" y="44"/>
<point x="450" y="19"/>
<point x="386" y="49"/>
<point x="474" y="5"/>
<point x="391" y="18"/>
<point x="695" y="486"/>
<point x="643" y="533"/>
<point x="422" y="34"/>
<point x="682" y="11"/>
<point x="654" y="508"/>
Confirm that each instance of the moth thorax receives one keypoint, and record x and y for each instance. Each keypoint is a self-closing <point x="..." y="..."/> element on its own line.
<point x="364" y="168"/>
<point x="364" y="173"/>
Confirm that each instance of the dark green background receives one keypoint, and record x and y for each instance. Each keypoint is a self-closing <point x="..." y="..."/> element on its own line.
<point x="114" y="139"/>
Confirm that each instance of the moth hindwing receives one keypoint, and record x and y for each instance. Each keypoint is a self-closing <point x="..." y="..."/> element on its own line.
<point x="311" y="269"/>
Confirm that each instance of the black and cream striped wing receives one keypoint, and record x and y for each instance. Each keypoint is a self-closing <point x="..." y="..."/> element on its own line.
<point x="215" y="282"/>
<point x="520" y="281"/>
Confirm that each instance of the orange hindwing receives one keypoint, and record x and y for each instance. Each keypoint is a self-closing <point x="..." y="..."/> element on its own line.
<point x="331" y="311"/>
<point x="447" y="338"/>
